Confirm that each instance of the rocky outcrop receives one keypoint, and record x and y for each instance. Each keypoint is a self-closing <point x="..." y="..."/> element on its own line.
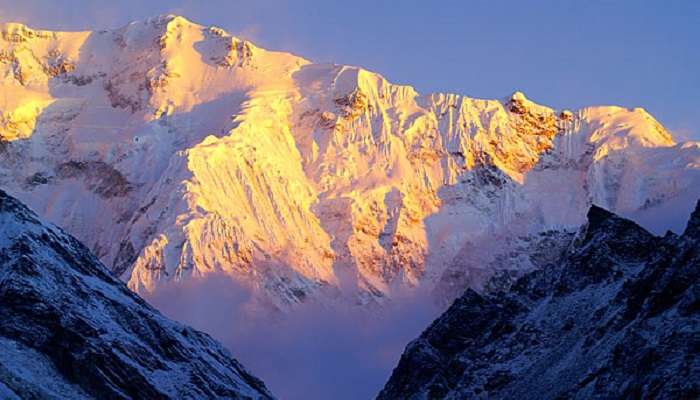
<point x="69" y="329"/>
<point x="618" y="316"/>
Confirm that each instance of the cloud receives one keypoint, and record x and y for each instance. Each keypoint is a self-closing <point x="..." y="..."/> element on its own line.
<point x="315" y="352"/>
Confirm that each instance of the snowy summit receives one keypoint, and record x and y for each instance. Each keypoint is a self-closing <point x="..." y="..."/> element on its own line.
<point x="175" y="151"/>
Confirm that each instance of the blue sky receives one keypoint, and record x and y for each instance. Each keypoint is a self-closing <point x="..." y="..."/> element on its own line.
<point x="561" y="53"/>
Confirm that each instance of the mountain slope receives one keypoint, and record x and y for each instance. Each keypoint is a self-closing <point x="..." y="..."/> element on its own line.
<point x="618" y="316"/>
<point x="71" y="330"/>
<point x="176" y="151"/>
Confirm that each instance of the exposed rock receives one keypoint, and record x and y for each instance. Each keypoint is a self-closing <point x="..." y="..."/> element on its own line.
<point x="99" y="176"/>
<point x="71" y="330"/>
<point x="618" y="316"/>
<point x="353" y="104"/>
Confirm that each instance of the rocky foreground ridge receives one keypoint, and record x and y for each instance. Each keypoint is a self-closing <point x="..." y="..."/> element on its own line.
<point x="70" y="330"/>
<point x="617" y="316"/>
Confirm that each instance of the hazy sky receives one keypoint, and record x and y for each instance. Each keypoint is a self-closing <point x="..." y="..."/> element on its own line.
<point x="565" y="54"/>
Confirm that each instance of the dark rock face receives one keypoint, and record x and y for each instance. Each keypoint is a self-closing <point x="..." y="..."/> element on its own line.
<point x="71" y="330"/>
<point x="101" y="178"/>
<point x="617" y="317"/>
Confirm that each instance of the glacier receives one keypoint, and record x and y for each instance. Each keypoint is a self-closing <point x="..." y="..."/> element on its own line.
<point x="176" y="151"/>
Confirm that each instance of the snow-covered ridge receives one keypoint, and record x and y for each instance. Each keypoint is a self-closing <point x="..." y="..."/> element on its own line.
<point x="175" y="150"/>
<point x="614" y="316"/>
<point x="71" y="330"/>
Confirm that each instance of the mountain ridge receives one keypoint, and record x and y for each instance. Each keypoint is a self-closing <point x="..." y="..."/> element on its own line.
<point x="72" y="330"/>
<point x="201" y="153"/>
<point x="616" y="317"/>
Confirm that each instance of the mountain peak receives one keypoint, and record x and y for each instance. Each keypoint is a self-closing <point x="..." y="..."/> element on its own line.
<point x="17" y="32"/>
<point x="693" y="227"/>
<point x="601" y="219"/>
<point x="596" y="216"/>
<point x="608" y="230"/>
<point x="520" y="104"/>
<point x="518" y="96"/>
<point x="170" y="18"/>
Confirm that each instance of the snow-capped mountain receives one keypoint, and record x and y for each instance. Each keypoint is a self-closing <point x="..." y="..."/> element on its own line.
<point x="70" y="330"/>
<point x="617" y="316"/>
<point x="175" y="150"/>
